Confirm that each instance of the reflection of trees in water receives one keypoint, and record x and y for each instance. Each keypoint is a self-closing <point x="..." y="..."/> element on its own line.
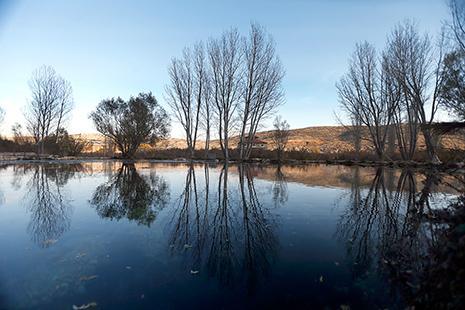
<point x="228" y="235"/>
<point x="127" y="194"/>
<point x="259" y="238"/>
<point x="1" y="193"/>
<point x="279" y="188"/>
<point x="393" y="231"/>
<point x="47" y="202"/>
<point x="378" y="221"/>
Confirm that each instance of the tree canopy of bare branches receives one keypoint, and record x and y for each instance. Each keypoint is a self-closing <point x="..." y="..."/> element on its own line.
<point x="280" y="136"/>
<point x="415" y="65"/>
<point x="367" y="95"/>
<point x="234" y="84"/>
<point x="2" y="115"/>
<point x="225" y="57"/>
<point x="51" y="102"/>
<point x="186" y="95"/>
<point x="262" y="88"/>
<point x="397" y="93"/>
<point x="457" y="9"/>
<point x="130" y="123"/>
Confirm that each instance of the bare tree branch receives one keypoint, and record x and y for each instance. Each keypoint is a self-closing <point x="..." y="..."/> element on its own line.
<point x="51" y="102"/>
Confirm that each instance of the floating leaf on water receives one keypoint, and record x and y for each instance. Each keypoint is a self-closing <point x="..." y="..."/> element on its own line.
<point x="86" y="306"/>
<point x="412" y="285"/>
<point x="88" y="278"/>
<point x="62" y="285"/>
<point x="194" y="271"/>
<point x="82" y="254"/>
<point x="49" y="242"/>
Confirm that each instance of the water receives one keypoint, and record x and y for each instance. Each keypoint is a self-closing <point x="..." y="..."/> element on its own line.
<point x="165" y="236"/>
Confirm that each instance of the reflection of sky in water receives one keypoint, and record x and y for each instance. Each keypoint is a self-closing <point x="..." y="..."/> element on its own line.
<point x="275" y="241"/>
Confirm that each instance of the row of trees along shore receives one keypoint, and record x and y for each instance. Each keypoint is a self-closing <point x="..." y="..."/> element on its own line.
<point x="225" y="87"/>
<point x="394" y="95"/>
<point x="231" y="84"/>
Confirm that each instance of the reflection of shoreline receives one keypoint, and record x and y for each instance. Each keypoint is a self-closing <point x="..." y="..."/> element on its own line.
<point x="314" y="175"/>
<point x="342" y="176"/>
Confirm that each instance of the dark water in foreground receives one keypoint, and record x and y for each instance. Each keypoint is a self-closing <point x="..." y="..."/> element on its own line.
<point x="166" y="236"/>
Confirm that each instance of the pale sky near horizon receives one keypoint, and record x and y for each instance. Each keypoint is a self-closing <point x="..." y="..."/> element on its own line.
<point x="120" y="48"/>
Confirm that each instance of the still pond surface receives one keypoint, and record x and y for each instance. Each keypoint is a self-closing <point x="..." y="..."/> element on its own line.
<point x="166" y="236"/>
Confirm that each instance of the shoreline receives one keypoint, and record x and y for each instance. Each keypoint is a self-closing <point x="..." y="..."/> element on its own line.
<point x="257" y="161"/>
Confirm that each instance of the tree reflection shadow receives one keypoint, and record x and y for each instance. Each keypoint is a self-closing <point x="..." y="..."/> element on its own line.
<point x="47" y="200"/>
<point x="1" y="193"/>
<point x="396" y="232"/>
<point x="279" y="188"/>
<point x="127" y="194"/>
<point x="230" y="235"/>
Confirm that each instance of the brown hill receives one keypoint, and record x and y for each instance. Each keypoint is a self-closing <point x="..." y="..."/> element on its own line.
<point x="336" y="139"/>
<point x="321" y="139"/>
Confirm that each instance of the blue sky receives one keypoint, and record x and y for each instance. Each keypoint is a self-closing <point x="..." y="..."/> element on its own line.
<point x="120" y="48"/>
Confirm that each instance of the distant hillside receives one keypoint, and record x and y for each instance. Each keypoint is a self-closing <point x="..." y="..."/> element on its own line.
<point x="337" y="139"/>
<point x="321" y="139"/>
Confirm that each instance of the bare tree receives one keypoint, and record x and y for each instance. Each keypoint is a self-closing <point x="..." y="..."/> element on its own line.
<point x="262" y="88"/>
<point x="225" y="57"/>
<point x="206" y="114"/>
<point x="416" y="66"/>
<point x="185" y="93"/>
<point x="353" y="131"/>
<point x="130" y="123"/>
<point x="2" y="114"/>
<point x="280" y="136"/>
<point x="367" y="95"/>
<point x="50" y="103"/>
<point x="18" y="136"/>
<point x="405" y="119"/>
<point x="457" y="8"/>
<point x="202" y="93"/>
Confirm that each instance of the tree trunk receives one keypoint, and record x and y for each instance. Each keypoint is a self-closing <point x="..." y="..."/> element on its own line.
<point x="430" y="146"/>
